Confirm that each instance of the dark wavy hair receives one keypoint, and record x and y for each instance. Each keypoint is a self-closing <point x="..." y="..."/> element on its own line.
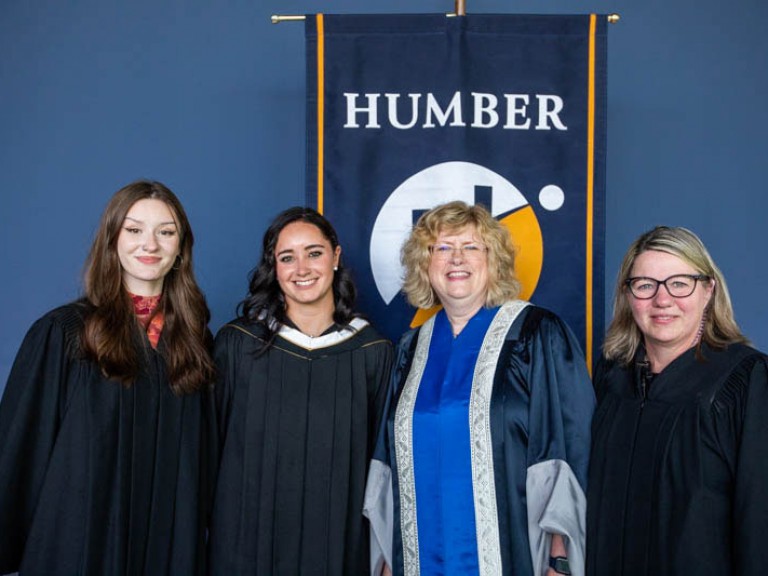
<point x="266" y="302"/>
<point x="111" y="326"/>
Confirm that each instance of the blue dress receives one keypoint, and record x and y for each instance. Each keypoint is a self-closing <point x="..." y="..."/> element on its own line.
<point x="441" y="447"/>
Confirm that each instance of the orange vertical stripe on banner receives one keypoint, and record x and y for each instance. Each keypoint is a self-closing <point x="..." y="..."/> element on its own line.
<point x="320" y="109"/>
<point x="590" y="187"/>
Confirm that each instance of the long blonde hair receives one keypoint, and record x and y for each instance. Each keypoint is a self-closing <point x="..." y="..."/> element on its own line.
<point x="720" y="329"/>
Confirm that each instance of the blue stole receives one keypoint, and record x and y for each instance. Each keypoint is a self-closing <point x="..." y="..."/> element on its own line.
<point x="441" y="449"/>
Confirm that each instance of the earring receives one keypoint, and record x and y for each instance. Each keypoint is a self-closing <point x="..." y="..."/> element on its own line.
<point x="335" y="268"/>
<point x="177" y="264"/>
<point x="701" y="328"/>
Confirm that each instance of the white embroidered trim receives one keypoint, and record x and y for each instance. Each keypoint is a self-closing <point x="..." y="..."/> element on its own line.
<point x="483" y="479"/>
<point x="404" y="451"/>
<point x="310" y="343"/>
<point x="486" y="515"/>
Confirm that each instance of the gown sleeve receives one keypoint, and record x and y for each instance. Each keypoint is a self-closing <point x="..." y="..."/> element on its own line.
<point x="30" y="414"/>
<point x="211" y="453"/>
<point x="378" y="385"/>
<point x="742" y="424"/>
<point x="228" y="351"/>
<point x="562" y="401"/>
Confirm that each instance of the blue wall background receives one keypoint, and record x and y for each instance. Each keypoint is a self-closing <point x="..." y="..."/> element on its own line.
<point x="209" y="98"/>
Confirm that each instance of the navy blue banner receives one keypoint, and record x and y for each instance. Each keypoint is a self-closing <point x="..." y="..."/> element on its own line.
<point x="405" y="112"/>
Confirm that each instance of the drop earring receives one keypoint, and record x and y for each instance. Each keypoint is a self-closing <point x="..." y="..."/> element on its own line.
<point x="701" y="328"/>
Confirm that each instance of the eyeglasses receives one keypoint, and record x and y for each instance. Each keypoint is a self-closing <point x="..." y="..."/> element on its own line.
<point x="678" y="286"/>
<point x="467" y="251"/>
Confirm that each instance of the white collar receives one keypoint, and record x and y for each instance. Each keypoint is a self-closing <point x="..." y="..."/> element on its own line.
<point x="326" y="340"/>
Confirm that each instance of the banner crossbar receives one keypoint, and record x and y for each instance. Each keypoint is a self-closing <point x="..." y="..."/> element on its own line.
<point x="278" y="18"/>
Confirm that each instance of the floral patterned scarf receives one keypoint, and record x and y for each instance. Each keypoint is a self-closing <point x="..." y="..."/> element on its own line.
<point x="149" y="316"/>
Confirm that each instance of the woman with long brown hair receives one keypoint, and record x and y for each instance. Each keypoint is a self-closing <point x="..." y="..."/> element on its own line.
<point x="103" y="466"/>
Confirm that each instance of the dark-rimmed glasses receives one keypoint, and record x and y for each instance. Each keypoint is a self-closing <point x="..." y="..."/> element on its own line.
<point x="678" y="286"/>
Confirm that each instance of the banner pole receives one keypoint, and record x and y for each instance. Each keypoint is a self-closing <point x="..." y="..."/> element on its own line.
<point x="460" y="11"/>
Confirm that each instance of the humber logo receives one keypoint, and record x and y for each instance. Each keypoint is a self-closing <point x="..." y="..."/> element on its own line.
<point x="473" y="184"/>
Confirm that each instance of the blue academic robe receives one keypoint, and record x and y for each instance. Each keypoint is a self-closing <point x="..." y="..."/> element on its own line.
<point x="522" y="449"/>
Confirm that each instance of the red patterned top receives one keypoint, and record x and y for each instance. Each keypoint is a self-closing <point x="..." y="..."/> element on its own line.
<point x="147" y="313"/>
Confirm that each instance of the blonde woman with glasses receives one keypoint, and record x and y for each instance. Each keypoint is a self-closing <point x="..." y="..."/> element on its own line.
<point x="678" y="482"/>
<point x="482" y="464"/>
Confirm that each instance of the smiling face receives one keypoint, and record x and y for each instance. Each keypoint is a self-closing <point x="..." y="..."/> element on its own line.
<point x="147" y="246"/>
<point x="304" y="265"/>
<point x="459" y="277"/>
<point x="667" y="323"/>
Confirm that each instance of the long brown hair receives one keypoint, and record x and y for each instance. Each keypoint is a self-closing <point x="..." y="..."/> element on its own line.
<point x="109" y="336"/>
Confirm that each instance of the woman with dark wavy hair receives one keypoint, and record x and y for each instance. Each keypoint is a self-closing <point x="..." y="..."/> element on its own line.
<point x="102" y="464"/>
<point x="302" y="381"/>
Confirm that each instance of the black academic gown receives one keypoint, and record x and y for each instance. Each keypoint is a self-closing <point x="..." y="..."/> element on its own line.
<point x="297" y="429"/>
<point x="678" y="480"/>
<point x="97" y="478"/>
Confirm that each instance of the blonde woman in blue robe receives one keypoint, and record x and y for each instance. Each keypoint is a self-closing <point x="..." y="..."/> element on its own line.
<point x="481" y="465"/>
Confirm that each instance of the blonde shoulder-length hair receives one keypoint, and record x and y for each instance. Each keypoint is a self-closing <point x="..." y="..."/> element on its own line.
<point x="720" y="329"/>
<point x="453" y="217"/>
